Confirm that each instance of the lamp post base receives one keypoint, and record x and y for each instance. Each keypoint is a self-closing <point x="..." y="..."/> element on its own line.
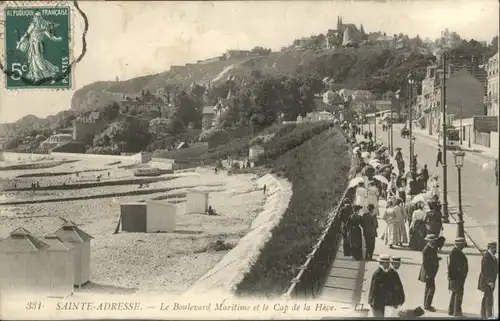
<point x="461" y="230"/>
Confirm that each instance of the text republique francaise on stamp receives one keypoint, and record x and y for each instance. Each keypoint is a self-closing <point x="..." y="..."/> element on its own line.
<point x="37" y="47"/>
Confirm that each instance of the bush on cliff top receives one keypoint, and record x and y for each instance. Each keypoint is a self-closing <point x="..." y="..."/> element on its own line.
<point x="318" y="170"/>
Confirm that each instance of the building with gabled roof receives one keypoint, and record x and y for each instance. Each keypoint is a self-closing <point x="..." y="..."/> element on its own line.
<point x="70" y="233"/>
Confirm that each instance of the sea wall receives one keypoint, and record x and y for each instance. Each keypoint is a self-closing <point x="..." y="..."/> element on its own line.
<point x="224" y="277"/>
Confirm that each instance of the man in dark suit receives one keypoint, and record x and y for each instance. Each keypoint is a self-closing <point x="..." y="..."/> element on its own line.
<point x="487" y="279"/>
<point x="370" y="226"/>
<point x="428" y="270"/>
<point x="380" y="287"/>
<point x="398" y="291"/>
<point x="458" y="268"/>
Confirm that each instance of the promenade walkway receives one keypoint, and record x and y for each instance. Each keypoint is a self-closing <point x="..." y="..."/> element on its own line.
<point x="349" y="280"/>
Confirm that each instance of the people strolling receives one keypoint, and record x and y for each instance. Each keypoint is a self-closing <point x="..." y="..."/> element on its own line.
<point x="355" y="235"/>
<point x="380" y="287"/>
<point x="458" y="268"/>
<point x="428" y="270"/>
<point x="391" y="236"/>
<point x="370" y="225"/>
<point x="418" y="230"/>
<point x="488" y="279"/>
<point x="345" y="213"/>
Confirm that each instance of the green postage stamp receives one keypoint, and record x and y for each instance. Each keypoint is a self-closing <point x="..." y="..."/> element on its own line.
<point x="37" y="47"/>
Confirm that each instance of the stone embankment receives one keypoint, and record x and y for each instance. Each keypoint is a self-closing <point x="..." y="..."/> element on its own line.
<point x="224" y="277"/>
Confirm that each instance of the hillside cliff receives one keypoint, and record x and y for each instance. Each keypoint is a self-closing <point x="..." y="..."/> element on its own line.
<point x="370" y="68"/>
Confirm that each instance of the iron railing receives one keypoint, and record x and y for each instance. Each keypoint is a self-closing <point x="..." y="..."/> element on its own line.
<point x="312" y="275"/>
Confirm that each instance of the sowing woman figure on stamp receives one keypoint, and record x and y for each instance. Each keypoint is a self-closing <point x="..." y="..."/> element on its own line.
<point x="31" y="43"/>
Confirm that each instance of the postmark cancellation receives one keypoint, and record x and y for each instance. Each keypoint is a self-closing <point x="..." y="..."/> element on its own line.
<point x="37" y="45"/>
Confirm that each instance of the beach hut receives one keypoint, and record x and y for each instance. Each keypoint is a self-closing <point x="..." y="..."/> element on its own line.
<point x="254" y="152"/>
<point x="30" y="265"/>
<point x="160" y="217"/>
<point x="196" y="202"/>
<point x="70" y="233"/>
<point x="62" y="264"/>
<point x="133" y="217"/>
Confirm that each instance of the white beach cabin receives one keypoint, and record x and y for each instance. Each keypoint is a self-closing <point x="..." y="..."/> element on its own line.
<point x="160" y="217"/>
<point x="196" y="202"/>
<point x="254" y="152"/>
<point x="30" y="265"/>
<point x="70" y="233"/>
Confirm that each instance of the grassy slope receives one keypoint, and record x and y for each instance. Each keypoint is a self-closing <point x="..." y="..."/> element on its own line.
<point x="318" y="170"/>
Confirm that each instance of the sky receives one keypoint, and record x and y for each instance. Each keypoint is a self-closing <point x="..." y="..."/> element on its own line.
<point x="127" y="39"/>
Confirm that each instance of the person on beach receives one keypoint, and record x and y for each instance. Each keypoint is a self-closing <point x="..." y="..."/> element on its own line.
<point x="418" y="230"/>
<point x="370" y="226"/>
<point x="428" y="270"/>
<point x="380" y="287"/>
<point x="488" y="279"/>
<point x="390" y="235"/>
<point x="458" y="268"/>
<point x="400" y="222"/>
<point x="345" y="213"/>
<point x="355" y="235"/>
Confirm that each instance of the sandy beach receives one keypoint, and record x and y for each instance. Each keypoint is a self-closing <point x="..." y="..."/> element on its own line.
<point x="137" y="262"/>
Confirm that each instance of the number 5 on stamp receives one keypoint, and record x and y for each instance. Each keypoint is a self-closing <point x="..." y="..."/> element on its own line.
<point x="37" y="47"/>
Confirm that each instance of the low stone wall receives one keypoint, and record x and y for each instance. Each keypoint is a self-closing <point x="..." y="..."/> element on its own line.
<point x="16" y="157"/>
<point x="224" y="277"/>
<point x="91" y="156"/>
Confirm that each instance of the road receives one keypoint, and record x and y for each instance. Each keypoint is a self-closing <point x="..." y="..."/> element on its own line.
<point x="479" y="191"/>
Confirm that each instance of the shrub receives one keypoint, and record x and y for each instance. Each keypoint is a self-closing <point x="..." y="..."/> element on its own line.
<point x="318" y="170"/>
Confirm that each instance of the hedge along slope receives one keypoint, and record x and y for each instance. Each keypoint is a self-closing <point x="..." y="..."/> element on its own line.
<point x="318" y="170"/>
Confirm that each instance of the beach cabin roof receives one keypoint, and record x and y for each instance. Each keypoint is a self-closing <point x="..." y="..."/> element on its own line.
<point x="56" y="244"/>
<point x="257" y="147"/>
<point x="182" y="145"/>
<point x="21" y="240"/>
<point x="69" y="232"/>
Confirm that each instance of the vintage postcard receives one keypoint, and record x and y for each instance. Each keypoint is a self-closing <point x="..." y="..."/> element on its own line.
<point x="248" y="159"/>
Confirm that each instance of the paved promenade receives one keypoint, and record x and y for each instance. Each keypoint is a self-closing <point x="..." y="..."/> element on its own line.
<point x="349" y="280"/>
<point x="479" y="193"/>
<point x="410" y="268"/>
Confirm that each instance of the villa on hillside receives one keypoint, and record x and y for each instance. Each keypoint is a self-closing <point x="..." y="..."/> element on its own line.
<point x="56" y="140"/>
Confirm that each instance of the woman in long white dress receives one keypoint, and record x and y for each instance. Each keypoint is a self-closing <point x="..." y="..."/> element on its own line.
<point x="32" y="43"/>
<point x="400" y="223"/>
<point x="361" y="195"/>
<point x="391" y="235"/>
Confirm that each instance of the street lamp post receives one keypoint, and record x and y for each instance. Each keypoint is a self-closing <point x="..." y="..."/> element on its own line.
<point x="445" y="170"/>
<point x="410" y="115"/>
<point x="391" y="121"/>
<point x="459" y="163"/>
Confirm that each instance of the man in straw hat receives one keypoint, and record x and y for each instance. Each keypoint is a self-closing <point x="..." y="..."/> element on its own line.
<point x="458" y="268"/>
<point x="487" y="279"/>
<point x="381" y="287"/>
<point x="398" y="293"/>
<point x="429" y="269"/>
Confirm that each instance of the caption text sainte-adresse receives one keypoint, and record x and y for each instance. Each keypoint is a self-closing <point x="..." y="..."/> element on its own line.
<point x="179" y="307"/>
